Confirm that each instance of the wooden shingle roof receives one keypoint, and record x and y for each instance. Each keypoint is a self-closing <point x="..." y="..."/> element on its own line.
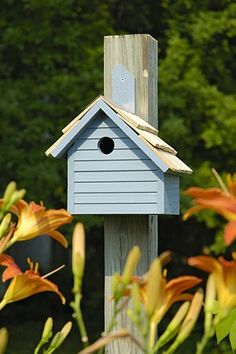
<point x="146" y="133"/>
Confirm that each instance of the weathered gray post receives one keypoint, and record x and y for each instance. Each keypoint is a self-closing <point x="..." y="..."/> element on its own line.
<point x="130" y="80"/>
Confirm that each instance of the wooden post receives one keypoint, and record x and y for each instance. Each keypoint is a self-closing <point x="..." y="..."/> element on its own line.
<point x="130" y="80"/>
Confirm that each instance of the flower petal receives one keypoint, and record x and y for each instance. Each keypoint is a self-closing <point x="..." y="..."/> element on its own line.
<point x="231" y="181"/>
<point x="209" y="193"/>
<point x="230" y="232"/>
<point x="182" y="283"/>
<point x="34" y="221"/>
<point x="206" y="263"/>
<point x="28" y="284"/>
<point x="195" y="209"/>
<point x="56" y="235"/>
<point x="12" y="268"/>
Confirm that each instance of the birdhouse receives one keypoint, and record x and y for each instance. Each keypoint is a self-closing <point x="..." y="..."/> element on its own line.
<point x="117" y="164"/>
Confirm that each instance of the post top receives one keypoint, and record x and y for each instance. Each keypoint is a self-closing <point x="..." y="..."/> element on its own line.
<point x="144" y="35"/>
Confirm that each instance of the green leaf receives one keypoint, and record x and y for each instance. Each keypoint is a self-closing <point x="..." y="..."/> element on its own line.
<point x="232" y="335"/>
<point x="223" y="328"/>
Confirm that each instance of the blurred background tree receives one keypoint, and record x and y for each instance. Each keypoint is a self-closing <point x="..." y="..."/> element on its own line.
<point x="51" y="66"/>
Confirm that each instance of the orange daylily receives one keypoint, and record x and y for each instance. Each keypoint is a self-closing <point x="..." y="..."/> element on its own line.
<point x="171" y="292"/>
<point x="224" y="272"/>
<point x="24" y="284"/>
<point x="222" y="201"/>
<point x="167" y="294"/>
<point x="35" y="220"/>
<point x="12" y="268"/>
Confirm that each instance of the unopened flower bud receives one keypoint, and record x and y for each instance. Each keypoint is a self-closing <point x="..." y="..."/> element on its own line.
<point x="179" y="316"/>
<point x="9" y="192"/>
<point x="192" y="316"/>
<point x="16" y="196"/>
<point x="153" y="287"/>
<point x="5" y="224"/>
<point x="78" y="250"/>
<point x="115" y="286"/>
<point x="136" y="298"/>
<point x="189" y="321"/>
<point x="55" y="341"/>
<point x="174" y="324"/>
<point x="3" y="340"/>
<point x="209" y="303"/>
<point x="130" y="265"/>
<point x="61" y="336"/>
<point x="47" y="331"/>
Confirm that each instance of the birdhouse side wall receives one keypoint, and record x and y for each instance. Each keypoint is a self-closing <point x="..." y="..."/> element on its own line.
<point x="124" y="181"/>
<point x="171" y="194"/>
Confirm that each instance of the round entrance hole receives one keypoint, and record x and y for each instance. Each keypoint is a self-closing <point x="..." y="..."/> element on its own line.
<point x="106" y="145"/>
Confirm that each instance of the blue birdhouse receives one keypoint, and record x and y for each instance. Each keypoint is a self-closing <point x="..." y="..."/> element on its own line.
<point x="117" y="164"/>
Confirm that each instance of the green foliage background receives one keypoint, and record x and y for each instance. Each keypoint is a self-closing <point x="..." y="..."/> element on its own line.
<point x="51" y="66"/>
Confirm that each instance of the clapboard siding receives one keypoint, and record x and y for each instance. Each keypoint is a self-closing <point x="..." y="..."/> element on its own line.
<point x="92" y="144"/>
<point x="119" y="165"/>
<point x="171" y="195"/>
<point x="118" y="155"/>
<point x="118" y="176"/>
<point x="115" y="198"/>
<point x="92" y="133"/>
<point x="109" y="187"/>
<point x="103" y="122"/>
<point x="115" y="209"/>
<point x="126" y="181"/>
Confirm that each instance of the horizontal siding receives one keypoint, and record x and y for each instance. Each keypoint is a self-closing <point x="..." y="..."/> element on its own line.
<point x="114" y="209"/>
<point x="119" y="155"/>
<point x="98" y="166"/>
<point x="92" y="144"/>
<point x="99" y="123"/>
<point x="123" y="182"/>
<point x="102" y="187"/>
<point x="115" y="198"/>
<point x="102" y="132"/>
<point x="119" y="176"/>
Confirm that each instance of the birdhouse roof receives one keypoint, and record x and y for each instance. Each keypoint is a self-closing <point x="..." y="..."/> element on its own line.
<point x="142" y="133"/>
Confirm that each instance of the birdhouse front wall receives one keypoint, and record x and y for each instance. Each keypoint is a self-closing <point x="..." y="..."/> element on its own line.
<point x="109" y="174"/>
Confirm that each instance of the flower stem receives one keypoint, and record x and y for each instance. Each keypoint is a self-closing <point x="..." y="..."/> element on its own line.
<point x="37" y="349"/>
<point x="152" y="335"/>
<point x="76" y="306"/>
<point x="202" y="344"/>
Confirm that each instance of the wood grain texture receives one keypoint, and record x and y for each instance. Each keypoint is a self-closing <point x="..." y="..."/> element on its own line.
<point x="122" y="232"/>
<point x="138" y="54"/>
<point x="124" y="92"/>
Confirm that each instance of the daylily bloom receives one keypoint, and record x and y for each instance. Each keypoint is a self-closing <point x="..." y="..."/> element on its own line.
<point x="171" y="292"/>
<point x="222" y="201"/>
<point x="34" y="220"/>
<point x="24" y="284"/>
<point x="168" y="293"/>
<point x="224" y="272"/>
<point x="189" y="321"/>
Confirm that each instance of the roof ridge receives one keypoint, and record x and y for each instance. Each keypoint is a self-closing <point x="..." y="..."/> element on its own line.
<point x="147" y="133"/>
